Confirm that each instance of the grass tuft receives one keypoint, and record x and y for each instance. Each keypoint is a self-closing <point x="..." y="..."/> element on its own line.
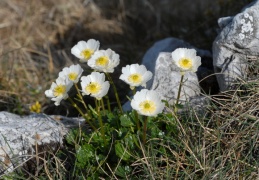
<point x="36" y="38"/>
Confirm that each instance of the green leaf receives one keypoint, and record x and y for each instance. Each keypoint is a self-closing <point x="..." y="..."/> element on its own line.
<point x="179" y="106"/>
<point x="92" y="109"/>
<point x="84" y="155"/>
<point x="126" y="121"/>
<point x="120" y="171"/>
<point x="166" y="103"/>
<point x="72" y="137"/>
<point x="121" y="151"/>
<point x="110" y="116"/>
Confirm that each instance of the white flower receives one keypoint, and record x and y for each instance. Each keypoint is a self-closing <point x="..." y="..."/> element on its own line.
<point x="104" y="60"/>
<point x="242" y="21"/>
<point x="147" y="102"/>
<point x="95" y="85"/>
<point x="186" y="59"/>
<point x="59" y="90"/>
<point x="84" y="50"/>
<point x="135" y="75"/>
<point x="73" y="73"/>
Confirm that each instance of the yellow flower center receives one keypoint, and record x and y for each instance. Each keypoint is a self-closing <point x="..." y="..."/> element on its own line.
<point x="87" y="53"/>
<point x="135" y="78"/>
<point x="185" y="63"/>
<point x="147" y="106"/>
<point x="59" y="90"/>
<point x="72" y="76"/>
<point x="102" y="61"/>
<point x="93" y="88"/>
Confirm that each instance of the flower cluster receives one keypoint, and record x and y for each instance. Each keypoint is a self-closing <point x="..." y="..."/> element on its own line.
<point x="145" y="102"/>
<point x="104" y="61"/>
<point x="93" y="84"/>
<point x="36" y="107"/>
<point x="100" y="60"/>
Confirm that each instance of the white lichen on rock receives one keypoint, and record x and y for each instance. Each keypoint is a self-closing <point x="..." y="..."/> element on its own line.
<point x="246" y="28"/>
<point x="19" y="136"/>
<point x="238" y="40"/>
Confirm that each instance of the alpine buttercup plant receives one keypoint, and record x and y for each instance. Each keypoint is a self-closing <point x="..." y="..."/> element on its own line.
<point x="59" y="90"/>
<point x="186" y="59"/>
<point x="84" y="50"/>
<point x="135" y="75"/>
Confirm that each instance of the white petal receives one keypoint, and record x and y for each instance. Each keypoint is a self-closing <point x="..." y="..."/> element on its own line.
<point x="76" y="52"/>
<point x="126" y="70"/>
<point x="147" y="76"/>
<point x="49" y="93"/>
<point x="123" y="77"/>
<point x="82" y="45"/>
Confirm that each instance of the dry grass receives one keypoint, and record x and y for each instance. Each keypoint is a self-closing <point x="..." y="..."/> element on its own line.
<point x="36" y="36"/>
<point x="35" y="41"/>
<point x="224" y="144"/>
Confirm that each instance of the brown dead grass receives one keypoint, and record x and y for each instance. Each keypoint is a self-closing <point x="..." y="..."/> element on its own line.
<point x="36" y="36"/>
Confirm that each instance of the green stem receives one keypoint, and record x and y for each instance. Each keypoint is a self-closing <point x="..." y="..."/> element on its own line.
<point x="145" y="130"/>
<point x="96" y="105"/>
<point x="101" y="121"/>
<point x="134" y="91"/>
<point x="137" y="119"/>
<point x="115" y="92"/>
<point x="103" y="108"/>
<point x="82" y="100"/>
<point x="108" y="103"/>
<point x="82" y="114"/>
<point x="80" y="96"/>
<point x="135" y="112"/>
<point x="178" y="95"/>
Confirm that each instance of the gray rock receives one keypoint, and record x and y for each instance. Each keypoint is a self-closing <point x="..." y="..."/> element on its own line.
<point x="198" y="105"/>
<point x="166" y="77"/>
<point x="167" y="80"/>
<point x="167" y="45"/>
<point x="224" y="21"/>
<point x="235" y="46"/>
<point x="20" y="135"/>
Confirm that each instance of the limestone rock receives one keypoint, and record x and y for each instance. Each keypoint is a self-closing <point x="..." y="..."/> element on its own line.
<point x="236" y="49"/>
<point x="19" y="136"/>
<point x="167" y="80"/>
<point x="169" y="45"/>
<point x="166" y="76"/>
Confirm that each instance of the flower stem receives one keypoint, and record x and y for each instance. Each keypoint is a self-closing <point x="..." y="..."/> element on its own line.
<point x="96" y="105"/>
<point x="135" y="112"/>
<point x="82" y="101"/>
<point x="82" y="114"/>
<point x="103" y="108"/>
<point x="101" y="121"/>
<point x="115" y="91"/>
<point x="179" y="92"/>
<point x="108" y="103"/>
<point x="137" y="119"/>
<point x="145" y="130"/>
